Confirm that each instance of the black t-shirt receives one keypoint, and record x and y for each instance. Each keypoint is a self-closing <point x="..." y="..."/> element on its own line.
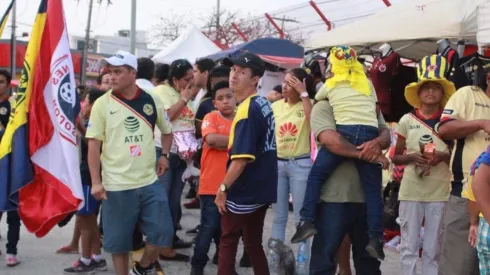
<point x="470" y="71"/>
<point x="5" y="112"/>
<point x="205" y="108"/>
<point x="84" y="170"/>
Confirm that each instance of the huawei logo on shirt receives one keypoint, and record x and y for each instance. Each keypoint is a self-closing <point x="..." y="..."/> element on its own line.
<point x="286" y="128"/>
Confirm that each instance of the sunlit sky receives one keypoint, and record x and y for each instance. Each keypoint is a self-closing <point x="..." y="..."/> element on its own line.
<point x="107" y="20"/>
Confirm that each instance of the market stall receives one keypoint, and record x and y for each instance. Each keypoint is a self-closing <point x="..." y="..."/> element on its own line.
<point x="279" y="52"/>
<point x="413" y="28"/>
<point x="191" y="45"/>
<point x="279" y="55"/>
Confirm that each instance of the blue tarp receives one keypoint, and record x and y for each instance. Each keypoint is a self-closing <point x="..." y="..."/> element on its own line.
<point x="263" y="46"/>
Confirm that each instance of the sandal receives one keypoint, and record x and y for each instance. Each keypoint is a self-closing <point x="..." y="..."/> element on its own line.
<point x="67" y="250"/>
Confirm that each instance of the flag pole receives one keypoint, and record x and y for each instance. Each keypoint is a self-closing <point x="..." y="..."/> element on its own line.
<point x="83" y="73"/>
<point x="13" y="44"/>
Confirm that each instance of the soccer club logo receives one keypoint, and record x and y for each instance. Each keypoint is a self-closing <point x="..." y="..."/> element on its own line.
<point x="300" y="113"/>
<point x="148" y="109"/>
<point x="3" y="111"/>
<point x="64" y="92"/>
<point x="288" y="128"/>
<point x="382" y="68"/>
<point x="131" y="124"/>
<point x="432" y="68"/>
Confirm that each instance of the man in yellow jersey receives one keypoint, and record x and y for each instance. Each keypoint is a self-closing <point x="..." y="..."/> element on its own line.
<point x="122" y="123"/>
<point x="465" y="119"/>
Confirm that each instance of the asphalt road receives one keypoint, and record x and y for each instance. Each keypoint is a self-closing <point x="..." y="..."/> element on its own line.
<point x="38" y="255"/>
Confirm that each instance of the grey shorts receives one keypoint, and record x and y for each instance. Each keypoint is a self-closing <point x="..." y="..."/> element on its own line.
<point x="146" y="207"/>
<point x="457" y="257"/>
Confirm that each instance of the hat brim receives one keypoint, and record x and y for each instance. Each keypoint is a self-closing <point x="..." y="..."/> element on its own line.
<point x="412" y="91"/>
<point x="113" y="61"/>
<point x="230" y="62"/>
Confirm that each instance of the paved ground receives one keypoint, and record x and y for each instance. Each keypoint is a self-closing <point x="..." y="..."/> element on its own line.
<point x="38" y="255"/>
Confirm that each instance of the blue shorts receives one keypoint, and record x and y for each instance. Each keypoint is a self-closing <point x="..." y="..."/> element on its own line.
<point x="146" y="207"/>
<point x="91" y="204"/>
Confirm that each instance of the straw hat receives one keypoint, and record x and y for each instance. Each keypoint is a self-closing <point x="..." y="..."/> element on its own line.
<point x="431" y="68"/>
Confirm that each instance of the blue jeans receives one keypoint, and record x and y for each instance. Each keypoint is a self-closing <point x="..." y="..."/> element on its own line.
<point x="172" y="180"/>
<point x="333" y="222"/>
<point x="370" y="174"/>
<point x="209" y="229"/>
<point x="145" y="207"/>
<point x="292" y="179"/>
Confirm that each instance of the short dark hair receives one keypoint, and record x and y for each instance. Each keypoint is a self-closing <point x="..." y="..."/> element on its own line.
<point x="278" y="88"/>
<point x="146" y="68"/>
<point x="217" y="71"/>
<point x="205" y="64"/>
<point x="178" y="69"/>
<point x="7" y="75"/>
<point x="99" y="78"/>
<point x="220" y="85"/>
<point x="93" y="94"/>
<point x="161" y="72"/>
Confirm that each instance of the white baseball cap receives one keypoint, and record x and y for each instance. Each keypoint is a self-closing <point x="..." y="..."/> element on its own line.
<point x="121" y="58"/>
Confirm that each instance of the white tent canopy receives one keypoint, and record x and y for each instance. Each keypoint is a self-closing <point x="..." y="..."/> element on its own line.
<point x="483" y="36"/>
<point x="191" y="45"/>
<point x="412" y="28"/>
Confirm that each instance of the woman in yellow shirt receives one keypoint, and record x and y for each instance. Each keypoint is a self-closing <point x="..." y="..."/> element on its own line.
<point x="292" y="117"/>
<point x="176" y="97"/>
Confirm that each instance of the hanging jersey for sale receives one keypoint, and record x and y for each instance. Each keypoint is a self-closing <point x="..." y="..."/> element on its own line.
<point x="470" y="71"/>
<point x="452" y="58"/>
<point x="382" y="72"/>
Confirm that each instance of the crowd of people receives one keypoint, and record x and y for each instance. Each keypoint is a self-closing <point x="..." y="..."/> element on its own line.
<point x="316" y="139"/>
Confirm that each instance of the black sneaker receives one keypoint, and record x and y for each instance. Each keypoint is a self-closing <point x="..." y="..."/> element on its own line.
<point x="191" y="194"/>
<point x="304" y="231"/>
<point x="215" y="258"/>
<point x="375" y="249"/>
<point x="197" y="271"/>
<point x="79" y="267"/>
<point x="138" y="270"/>
<point x="180" y="244"/>
<point x="245" y="260"/>
<point x="193" y="232"/>
<point x="100" y="265"/>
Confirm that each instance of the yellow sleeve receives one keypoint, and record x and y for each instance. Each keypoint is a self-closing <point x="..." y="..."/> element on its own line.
<point x="322" y="94"/>
<point x="97" y="122"/>
<point x="165" y="95"/>
<point x="456" y="106"/>
<point x="163" y="123"/>
<point x="401" y="128"/>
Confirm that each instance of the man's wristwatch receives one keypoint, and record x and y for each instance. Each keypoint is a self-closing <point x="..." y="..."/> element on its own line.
<point x="304" y="95"/>
<point x="224" y="188"/>
<point x="166" y="155"/>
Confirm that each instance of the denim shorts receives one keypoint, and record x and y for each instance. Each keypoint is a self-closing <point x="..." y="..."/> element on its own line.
<point x="146" y="207"/>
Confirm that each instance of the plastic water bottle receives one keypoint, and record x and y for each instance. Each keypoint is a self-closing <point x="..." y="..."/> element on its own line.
<point x="302" y="259"/>
<point x="273" y="257"/>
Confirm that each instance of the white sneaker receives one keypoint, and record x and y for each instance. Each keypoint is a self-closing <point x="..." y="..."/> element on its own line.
<point x="12" y="260"/>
